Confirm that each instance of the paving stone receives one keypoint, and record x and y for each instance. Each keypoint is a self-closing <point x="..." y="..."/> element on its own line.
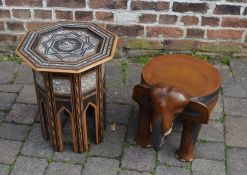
<point x="104" y="166"/>
<point x="239" y="69"/>
<point x="35" y="145"/>
<point x="7" y="71"/>
<point x="134" y="73"/>
<point x="24" y="75"/>
<point x="217" y="112"/>
<point x="5" y="106"/>
<point x="118" y="113"/>
<point x="7" y="97"/>
<point x="27" y="95"/>
<point x="13" y="131"/>
<point x="210" y="150"/>
<point x="237" y="161"/>
<point x="4" y="169"/>
<point x="235" y="106"/>
<point x="167" y="154"/>
<point x="10" y="87"/>
<point x="226" y="74"/>
<point x="235" y="89"/>
<point x="112" y="143"/>
<point x="133" y="155"/>
<point x="29" y="166"/>
<point x="133" y="124"/>
<point x="121" y="94"/>
<point x="58" y="168"/>
<point x="128" y="172"/>
<point x="2" y="116"/>
<point x="213" y="131"/>
<point x="161" y="170"/>
<point x="236" y="131"/>
<point x="22" y="113"/>
<point x="113" y="73"/>
<point x="9" y="150"/>
<point x="69" y="156"/>
<point x="205" y="167"/>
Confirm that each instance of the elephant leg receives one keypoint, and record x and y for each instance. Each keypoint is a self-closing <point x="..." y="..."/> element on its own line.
<point x="143" y="134"/>
<point x="188" y="140"/>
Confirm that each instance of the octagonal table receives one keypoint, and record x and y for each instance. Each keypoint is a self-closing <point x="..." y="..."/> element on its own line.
<point x="68" y="59"/>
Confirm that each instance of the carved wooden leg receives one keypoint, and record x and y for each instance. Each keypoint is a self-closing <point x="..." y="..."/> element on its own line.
<point x="188" y="140"/>
<point x="143" y="134"/>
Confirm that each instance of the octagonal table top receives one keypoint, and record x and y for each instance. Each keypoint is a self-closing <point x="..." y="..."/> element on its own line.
<point x="67" y="47"/>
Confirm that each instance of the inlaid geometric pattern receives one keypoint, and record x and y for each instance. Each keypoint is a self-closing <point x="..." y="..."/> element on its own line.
<point x="67" y="47"/>
<point x="88" y="82"/>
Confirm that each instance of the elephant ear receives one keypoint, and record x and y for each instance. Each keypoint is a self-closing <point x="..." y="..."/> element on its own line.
<point x="196" y="109"/>
<point x="141" y="94"/>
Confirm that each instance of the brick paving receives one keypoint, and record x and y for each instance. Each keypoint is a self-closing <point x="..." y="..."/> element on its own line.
<point x="221" y="148"/>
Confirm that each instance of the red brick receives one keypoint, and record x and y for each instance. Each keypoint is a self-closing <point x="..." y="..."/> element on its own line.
<point x="180" y="45"/>
<point x="43" y="14"/>
<point x="195" y="33"/>
<point x="84" y="15"/>
<point x="183" y="7"/>
<point x="168" y="19"/>
<point x="144" y="5"/>
<point x="147" y="18"/>
<point x="22" y="13"/>
<point x="34" y="25"/>
<point x="164" y="31"/>
<point x="225" y="34"/>
<point x="7" y="37"/>
<point x="66" y="3"/>
<point x="209" y="46"/>
<point x="143" y="43"/>
<point x="227" y="10"/>
<point x="2" y="26"/>
<point x="4" y="13"/>
<point x="104" y="16"/>
<point x="210" y="21"/>
<point x="121" y="30"/>
<point x="15" y="26"/>
<point x="108" y="4"/>
<point x="24" y="2"/>
<point x="234" y="22"/>
<point x="120" y="42"/>
<point x="189" y="20"/>
<point x="65" y="15"/>
<point x="230" y="47"/>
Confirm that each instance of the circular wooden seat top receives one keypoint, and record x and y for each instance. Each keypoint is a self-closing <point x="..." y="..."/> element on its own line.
<point x="188" y="73"/>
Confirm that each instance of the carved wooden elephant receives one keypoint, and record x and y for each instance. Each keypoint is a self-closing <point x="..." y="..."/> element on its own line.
<point x="160" y="105"/>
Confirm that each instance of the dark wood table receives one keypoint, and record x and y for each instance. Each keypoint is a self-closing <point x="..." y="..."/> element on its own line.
<point x="68" y="59"/>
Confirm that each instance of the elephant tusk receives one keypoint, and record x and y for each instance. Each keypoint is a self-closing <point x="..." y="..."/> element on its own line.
<point x="168" y="132"/>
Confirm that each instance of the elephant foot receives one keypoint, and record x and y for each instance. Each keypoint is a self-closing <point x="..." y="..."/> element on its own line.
<point x="143" y="143"/>
<point x="184" y="158"/>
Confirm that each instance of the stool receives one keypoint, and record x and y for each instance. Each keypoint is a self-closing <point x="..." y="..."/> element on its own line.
<point x="175" y="87"/>
<point x="69" y="74"/>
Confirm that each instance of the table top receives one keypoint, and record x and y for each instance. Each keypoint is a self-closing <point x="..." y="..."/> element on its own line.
<point x="188" y="73"/>
<point x="67" y="47"/>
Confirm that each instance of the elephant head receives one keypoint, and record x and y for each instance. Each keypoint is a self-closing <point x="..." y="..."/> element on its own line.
<point x="167" y="103"/>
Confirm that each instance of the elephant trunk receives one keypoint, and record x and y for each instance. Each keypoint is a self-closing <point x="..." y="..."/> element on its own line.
<point x="157" y="137"/>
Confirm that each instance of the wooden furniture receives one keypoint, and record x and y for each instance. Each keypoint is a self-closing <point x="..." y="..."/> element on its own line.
<point x="69" y="73"/>
<point x="175" y="87"/>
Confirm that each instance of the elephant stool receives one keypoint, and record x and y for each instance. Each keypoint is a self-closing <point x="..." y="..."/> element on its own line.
<point x="175" y="87"/>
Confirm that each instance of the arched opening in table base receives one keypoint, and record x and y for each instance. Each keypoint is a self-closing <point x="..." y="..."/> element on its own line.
<point x="66" y="127"/>
<point x="91" y="120"/>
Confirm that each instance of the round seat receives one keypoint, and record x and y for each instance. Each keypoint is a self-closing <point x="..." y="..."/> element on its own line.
<point x="188" y="73"/>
